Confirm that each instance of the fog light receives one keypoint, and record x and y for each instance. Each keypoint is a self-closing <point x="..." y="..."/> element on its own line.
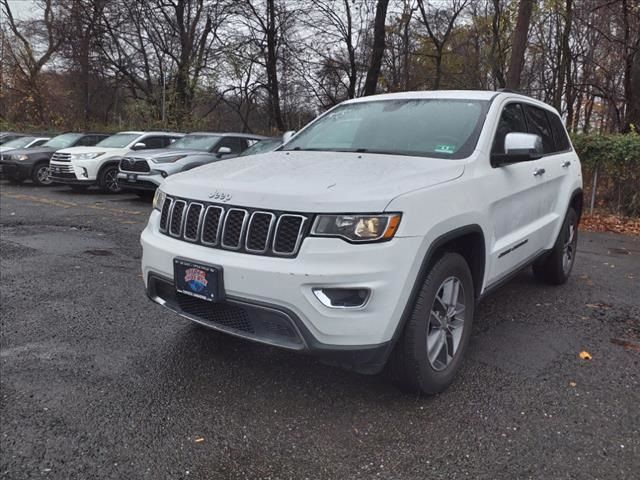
<point x="164" y="174"/>
<point x="342" y="297"/>
<point x="85" y="174"/>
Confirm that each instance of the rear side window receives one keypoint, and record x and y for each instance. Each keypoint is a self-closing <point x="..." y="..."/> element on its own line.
<point x="539" y="124"/>
<point x="156" y="142"/>
<point x="559" y="133"/>
<point x="237" y="145"/>
<point x="511" y="121"/>
<point x="87" y="141"/>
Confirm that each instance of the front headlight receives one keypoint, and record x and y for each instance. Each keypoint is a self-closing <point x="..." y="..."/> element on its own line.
<point x="20" y="158"/>
<point x="170" y="159"/>
<point x="158" y="199"/>
<point x="86" y="156"/>
<point x="357" y="228"/>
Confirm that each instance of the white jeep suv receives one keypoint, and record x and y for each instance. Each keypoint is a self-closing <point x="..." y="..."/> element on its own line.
<point x="369" y="237"/>
<point x="82" y="167"/>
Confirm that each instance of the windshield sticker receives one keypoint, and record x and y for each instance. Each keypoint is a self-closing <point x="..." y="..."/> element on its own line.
<point x="450" y="149"/>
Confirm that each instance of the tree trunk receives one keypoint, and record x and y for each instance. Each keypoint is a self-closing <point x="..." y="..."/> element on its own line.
<point x="377" y="53"/>
<point x="519" y="44"/>
<point x="272" y="67"/>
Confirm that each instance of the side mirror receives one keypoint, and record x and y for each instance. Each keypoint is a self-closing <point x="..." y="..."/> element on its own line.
<point x="287" y="136"/>
<point x="223" y="151"/>
<point x="139" y="146"/>
<point x="519" y="147"/>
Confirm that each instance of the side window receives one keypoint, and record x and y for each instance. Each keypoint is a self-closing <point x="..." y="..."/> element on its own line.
<point x="155" y="142"/>
<point x="38" y="143"/>
<point x="86" y="141"/>
<point x="511" y="121"/>
<point x="538" y="124"/>
<point x="237" y="145"/>
<point x="559" y="133"/>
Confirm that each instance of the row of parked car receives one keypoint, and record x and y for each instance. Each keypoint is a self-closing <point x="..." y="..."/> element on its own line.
<point x="132" y="160"/>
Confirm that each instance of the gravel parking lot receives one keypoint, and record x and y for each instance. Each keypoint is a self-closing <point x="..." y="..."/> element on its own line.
<point x="97" y="382"/>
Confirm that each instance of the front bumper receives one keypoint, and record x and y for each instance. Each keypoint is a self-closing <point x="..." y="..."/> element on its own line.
<point x="69" y="173"/>
<point x="139" y="182"/>
<point x="10" y="169"/>
<point x="285" y="285"/>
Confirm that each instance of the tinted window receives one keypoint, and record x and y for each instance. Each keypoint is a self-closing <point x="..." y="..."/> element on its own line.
<point x="538" y="124"/>
<point x="156" y="142"/>
<point x="559" y="133"/>
<point x="437" y="128"/>
<point x="511" y="121"/>
<point x="87" y="141"/>
<point x="38" y="143"/>
<point x="237" y="145"/>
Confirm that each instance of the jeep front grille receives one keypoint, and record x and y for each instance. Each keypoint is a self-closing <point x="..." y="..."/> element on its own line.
<point x="246" y="230"/>
<point x="132" y="164"/>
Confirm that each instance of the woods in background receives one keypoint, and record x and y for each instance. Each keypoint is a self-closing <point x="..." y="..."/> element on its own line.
<point x="271" y="65"/>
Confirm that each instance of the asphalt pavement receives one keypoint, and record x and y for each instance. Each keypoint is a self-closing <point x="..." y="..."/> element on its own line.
<point x="98" y="382"/>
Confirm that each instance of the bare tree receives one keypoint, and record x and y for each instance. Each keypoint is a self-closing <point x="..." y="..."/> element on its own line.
<point x="377" y="51"/>
<point x="439" y="23"/>
<point x="519" y="44"/>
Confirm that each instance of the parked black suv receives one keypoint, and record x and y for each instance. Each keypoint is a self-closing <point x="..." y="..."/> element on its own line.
<point x="33" y="163"/>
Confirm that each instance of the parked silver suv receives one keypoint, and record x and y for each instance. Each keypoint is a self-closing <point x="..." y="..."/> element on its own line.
<point x="145" y="171"/>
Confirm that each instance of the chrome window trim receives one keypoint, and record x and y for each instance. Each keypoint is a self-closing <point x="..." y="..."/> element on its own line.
<point x="199" y="223"/>
<point x="242" y="228"/>
<point x="173" y="206"/>
<point x="266" y="243"/>
<point x="220" y="223"/>
<point x="298" y="239"/>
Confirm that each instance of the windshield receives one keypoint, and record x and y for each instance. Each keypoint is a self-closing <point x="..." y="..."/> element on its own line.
<point x="19" y="142"/>
<point x="196" y="142"/>
<point x="440" y="128"/>
<point x="62" y="141"/>
<point x="119" y="140"/>
<point x="262" y="146"/>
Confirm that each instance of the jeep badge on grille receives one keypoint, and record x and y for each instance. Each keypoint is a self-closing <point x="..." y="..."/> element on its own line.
<point x="223" y="197"/>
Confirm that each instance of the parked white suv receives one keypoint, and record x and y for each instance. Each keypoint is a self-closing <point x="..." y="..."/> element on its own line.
<point x="369" y="237"/>
<point x="82" y="167"/>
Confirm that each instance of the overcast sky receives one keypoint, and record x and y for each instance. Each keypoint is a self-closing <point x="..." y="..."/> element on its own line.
<point x="23" y="9"/>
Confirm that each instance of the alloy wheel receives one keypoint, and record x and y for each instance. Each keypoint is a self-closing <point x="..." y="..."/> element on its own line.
<point x="44" y="175"/>
<point x="111" y="180"/>
<point x="446" y="323"/>
<point x="569" y="249"/>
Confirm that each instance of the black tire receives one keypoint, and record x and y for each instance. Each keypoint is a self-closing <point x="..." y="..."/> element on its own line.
<point x="409" y="364"/>
<point x="107" y="179"/>
<point x="556" y="267"/>
<point x="40" y="174"/>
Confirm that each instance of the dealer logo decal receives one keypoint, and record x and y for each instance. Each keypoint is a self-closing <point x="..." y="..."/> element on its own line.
<point x="196" y="279"/>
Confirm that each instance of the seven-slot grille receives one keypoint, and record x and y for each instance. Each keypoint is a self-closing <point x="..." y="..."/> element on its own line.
<point x="131" y="164"/>
<point x="61" y="157"/>
<point x="232" y="228"/>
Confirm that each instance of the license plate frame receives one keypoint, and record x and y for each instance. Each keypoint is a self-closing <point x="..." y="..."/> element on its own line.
<point x="199" y="280"/>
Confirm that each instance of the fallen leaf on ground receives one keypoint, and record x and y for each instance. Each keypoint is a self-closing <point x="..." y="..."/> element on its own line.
<point x="584" y="355"/>
<point x="199" y="439"/>
<point x="572" y="384"/>
<point x="602" y="222"/>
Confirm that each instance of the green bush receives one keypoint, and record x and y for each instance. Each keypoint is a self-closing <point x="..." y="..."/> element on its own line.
<point x="616" y="159"/>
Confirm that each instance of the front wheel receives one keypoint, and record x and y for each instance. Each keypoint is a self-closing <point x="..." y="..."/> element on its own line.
<point x="430" y="350"/>
<point x="41" y="175"/>
<point x="108" y="179"/>
<point x="555" y="267"/>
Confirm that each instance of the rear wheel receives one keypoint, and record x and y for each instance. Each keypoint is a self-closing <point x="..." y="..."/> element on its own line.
<point x="430" y="350"/>
<point x="555" y="267"/>
<point x="41" y="175"/>
<point x="108" y="179"/>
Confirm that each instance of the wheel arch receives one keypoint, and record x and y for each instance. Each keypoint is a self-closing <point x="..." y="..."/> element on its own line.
<point x="109" y="163"/>
<point x="469" y="241"/>
<point x="577" y="202"/>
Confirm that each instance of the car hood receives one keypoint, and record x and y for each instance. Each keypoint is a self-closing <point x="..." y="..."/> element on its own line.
<point x="30" y="151"/>
<point x="77" y="150"/>
<point x="152" y="154"/>
<point x="313" y="181"/>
